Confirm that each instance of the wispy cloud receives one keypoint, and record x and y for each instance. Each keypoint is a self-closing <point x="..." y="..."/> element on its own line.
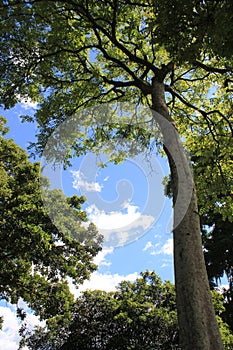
<point x="164" y="265"/>
<point x="80" y="182"/>
<point x="167" y="262"/>
<point x="167" y="248"/>
<point x="147" y="246"/>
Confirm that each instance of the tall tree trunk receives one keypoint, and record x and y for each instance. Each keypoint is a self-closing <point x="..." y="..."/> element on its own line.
<point x="198" y="328"/>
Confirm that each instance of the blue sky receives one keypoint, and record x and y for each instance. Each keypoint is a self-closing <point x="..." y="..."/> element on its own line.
<point x="125" y="201"/>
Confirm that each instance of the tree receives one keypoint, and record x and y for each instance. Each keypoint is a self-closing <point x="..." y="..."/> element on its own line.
<point x="36" y="258"/>
<point x="73" y="54"/>
<point x="138" y="315"/>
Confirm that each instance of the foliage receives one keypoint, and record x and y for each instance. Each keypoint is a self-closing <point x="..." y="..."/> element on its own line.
<point x="218" y="246"/>
<point x="138" y="315"/>
<point x="225" y="329"/>
<point x="36" y="258"/>
<point x="186" y="28"/>
<point x="68" y="55"/>
<point x="217" y="241"/>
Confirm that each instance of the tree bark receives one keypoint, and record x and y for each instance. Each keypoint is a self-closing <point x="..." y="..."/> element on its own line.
<point x="198" y="328"/>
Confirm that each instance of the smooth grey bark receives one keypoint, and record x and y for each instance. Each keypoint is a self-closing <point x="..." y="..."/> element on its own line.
<point x="198" y="327"/>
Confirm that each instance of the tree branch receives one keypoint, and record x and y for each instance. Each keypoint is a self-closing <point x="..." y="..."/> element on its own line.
<point x="224" y="117"/>
<point x="212" y="69"/>
<point x="188" y="104"/>
<point x="145" y="87"/>
<point x="112" y="37"/>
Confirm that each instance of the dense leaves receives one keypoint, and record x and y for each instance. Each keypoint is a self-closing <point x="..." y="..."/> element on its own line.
<point x="187" y="27"/>
<point x="138" y="315"/>
<point x="68" y="55"/>
<point x="36" y="258"/>
<point x="218" y="248"/>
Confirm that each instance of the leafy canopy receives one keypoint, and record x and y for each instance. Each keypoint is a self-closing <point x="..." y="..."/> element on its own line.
<point x="36" y="258"/>
<point x="69" y="55"/>
<point x="187" y="28"/>
<point x="138" y="315"/>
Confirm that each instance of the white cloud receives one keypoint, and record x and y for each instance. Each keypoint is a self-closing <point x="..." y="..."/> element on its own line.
<point x="167" y="248"/>
<point x="106" y="282"/>
<point x="9" y="336"/>
<point x="115" y="219"/>
<point x="79" y="182"/>
<point x="147" y="246"/>
<point x="27" y="103"/>
<point x="106" y="263"/>
<point x="164" y="265"/>
<point x="120" y="227"/>
<point x="7" y="343"/>
<point x="33" y="320"/>
<point x="157" y="236"/>
<point x="100" y="258"/>
<point x="156" y="245"/>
